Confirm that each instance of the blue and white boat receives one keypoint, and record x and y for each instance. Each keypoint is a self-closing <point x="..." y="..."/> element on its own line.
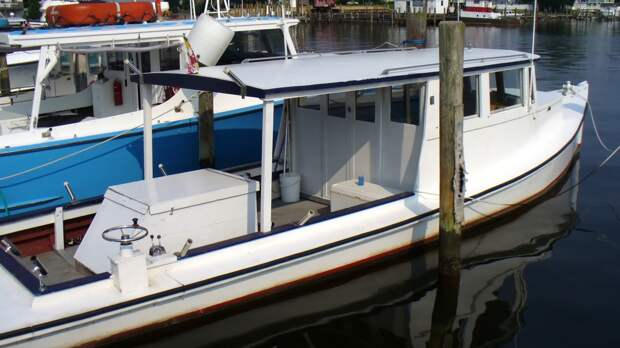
<point x="79" y="130"/>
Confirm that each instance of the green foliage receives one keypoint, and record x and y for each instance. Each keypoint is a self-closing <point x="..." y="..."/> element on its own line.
<point x="554" y="5"/>
<point x="32" y="9"/>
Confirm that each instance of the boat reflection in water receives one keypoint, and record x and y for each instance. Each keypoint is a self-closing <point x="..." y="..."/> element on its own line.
<point x="391" y="303"/>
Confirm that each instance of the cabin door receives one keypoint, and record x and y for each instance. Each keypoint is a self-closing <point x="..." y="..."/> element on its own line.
<point x="366" y="126"/>
<point x="338" y="140"/>
<point x="402" y="135"/>
<point x="308" y="144"/>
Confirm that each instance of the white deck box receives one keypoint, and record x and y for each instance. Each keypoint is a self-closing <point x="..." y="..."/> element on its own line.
<point x="347" y="194"/>
<point x="205" y="205"/>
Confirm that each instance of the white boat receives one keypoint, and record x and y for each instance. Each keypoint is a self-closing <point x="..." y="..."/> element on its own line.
<point x="398" y="295"/>
<point x="83" y="99"/>
<point x="369" y="115"/>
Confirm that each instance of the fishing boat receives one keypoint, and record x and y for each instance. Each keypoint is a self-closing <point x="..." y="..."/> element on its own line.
<point x="83" y="115"/>
<point x="360" y="142"/>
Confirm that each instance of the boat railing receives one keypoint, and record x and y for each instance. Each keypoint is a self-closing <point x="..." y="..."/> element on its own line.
<point x="115" y="48"/>
<point x="213" y="7"/>
<point x="470" y="60"/>
<point x="327" y="53"/>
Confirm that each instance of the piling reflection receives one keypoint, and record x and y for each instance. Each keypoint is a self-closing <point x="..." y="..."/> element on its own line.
<point x="390" y="304"/>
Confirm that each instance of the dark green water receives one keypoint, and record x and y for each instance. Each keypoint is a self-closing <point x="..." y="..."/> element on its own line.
<point x="547" y="276"/>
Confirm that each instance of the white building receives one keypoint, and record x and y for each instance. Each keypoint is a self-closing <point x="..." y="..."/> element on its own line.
<point x="592" y="5"/>
<point x="513" y="5"/>
<point x="433" y="6"/>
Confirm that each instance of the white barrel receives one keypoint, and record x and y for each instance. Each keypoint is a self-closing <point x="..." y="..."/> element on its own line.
<point x="290" y="187"/>
<point x="209" y="39"/>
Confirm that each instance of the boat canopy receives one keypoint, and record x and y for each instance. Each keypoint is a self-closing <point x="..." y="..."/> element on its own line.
<point x="128" y="33"/>
<point x="314" y="74"/>
<point x="297" y="76"/>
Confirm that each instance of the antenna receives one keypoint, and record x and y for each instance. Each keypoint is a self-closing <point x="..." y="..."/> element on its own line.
<point x="532" y="92"/>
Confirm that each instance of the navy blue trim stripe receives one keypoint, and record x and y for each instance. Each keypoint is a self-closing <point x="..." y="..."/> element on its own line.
<point x="257" y="235"/>
<point x="30" y="282"/>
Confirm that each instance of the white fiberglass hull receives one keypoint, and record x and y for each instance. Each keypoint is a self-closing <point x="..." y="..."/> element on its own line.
<point x="220" y="276"/>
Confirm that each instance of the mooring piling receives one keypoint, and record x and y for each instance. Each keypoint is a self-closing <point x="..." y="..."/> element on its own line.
<point x="416" y="29"/>
<point x="206" y="132"/>
<point x="5" y="84"/>
<point x="451" y="180"/>
<point x="452" y="167"/>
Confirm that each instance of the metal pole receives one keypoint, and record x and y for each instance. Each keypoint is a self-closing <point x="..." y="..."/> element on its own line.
<point x="147" y="129"/>
<point x="266" y="171"/>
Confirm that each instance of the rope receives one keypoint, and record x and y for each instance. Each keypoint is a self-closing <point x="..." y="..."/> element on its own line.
<point x="73" y="154"/>
<point x="596" y="128"/>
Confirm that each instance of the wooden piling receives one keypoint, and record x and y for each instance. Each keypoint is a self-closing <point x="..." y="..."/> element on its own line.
<point x="206" y="132"/>
<point x="451" y="180"/>
<point x="5" y="84"/>
<point x="416" y="29"/>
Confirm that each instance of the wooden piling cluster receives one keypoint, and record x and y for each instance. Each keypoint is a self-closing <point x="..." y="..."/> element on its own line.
<point x="264" y="9"/>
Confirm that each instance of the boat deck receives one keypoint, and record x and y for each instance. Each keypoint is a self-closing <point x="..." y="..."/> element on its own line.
<point x="290" y="213"/>
<point x="62" y="267"/>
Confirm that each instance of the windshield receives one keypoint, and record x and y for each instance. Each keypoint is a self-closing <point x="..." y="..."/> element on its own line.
<point x="253" y="44"/>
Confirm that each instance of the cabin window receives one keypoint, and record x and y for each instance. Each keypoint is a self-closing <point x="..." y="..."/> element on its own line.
<point x="337" y="105"/>
<point x="145" y="62"/>
<point x="407" y="103"/>
<point x="365" y="105"/>
<point x="506" y="89"/>
<point x="94" y="63"/>
<point x="169" y="59"/>
<point x="65" y="62"/>
<point x="253" y="44"/>
<point x="312" y="103"/>
<point x="471" y="86"/>
<point x="115" y="61"/>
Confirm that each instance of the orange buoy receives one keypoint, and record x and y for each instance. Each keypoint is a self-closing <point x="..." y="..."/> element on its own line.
<point x="100" y="13"/>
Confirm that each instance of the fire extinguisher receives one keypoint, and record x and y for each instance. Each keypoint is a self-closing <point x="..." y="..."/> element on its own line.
<point x="117" y="89"/>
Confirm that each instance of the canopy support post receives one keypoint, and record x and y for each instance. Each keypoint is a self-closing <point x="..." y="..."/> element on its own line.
<point x="266" y="167"/>
<point x="47" y="60"/>
<point x="147" y="130"/>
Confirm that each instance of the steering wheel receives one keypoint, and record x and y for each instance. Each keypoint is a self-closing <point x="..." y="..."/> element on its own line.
<point x="139" y="232"/>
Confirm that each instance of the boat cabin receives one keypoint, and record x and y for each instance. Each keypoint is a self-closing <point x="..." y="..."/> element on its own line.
<point x="351" y="137"/>
<point x="82" y="73"/>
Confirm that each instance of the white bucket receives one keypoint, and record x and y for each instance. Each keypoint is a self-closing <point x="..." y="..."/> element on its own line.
<point x="289" y="187"/>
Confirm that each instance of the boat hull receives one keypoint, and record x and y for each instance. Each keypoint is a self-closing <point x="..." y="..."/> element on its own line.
<point x="292" y="267"/>
<point x="91" y="172"/>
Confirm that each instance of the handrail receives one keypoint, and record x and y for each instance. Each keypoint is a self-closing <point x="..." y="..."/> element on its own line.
<point x="242" y="86"/>
<point x="137" y="49"/>
<point x="481" y="60"/>
<point x="320" y="54"/>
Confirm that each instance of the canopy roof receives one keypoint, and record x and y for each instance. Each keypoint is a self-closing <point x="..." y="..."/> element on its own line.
<point x="128" y="33"/>
<point x="330" y="73"/>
